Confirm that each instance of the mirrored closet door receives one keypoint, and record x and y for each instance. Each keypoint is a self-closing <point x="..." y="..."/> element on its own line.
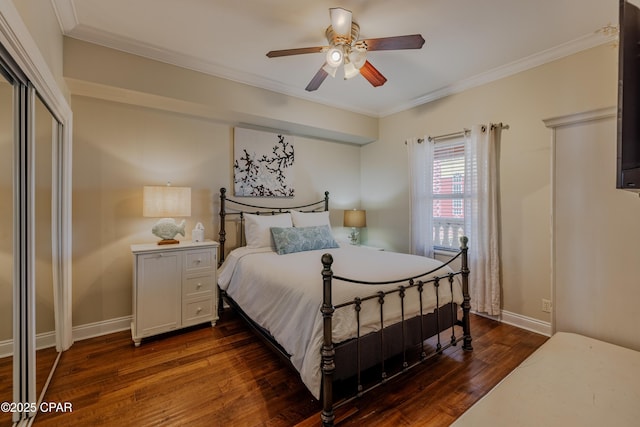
<point x="45" y="135"/>
<point x="35" y="218"/>
<point x="32" y="220"/>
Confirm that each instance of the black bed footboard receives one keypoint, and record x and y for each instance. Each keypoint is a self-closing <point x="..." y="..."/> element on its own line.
<point x="394" y="340"/>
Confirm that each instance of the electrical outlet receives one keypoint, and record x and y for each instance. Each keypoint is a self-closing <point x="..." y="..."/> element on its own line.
<point x="546" y="305"/>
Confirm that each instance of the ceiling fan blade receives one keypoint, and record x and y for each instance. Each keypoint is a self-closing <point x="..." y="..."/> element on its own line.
<point x="317" y="80"/>
<point x="298" y="51"/>
<point x="414" y="41"/>
<point x="374" y="76"/>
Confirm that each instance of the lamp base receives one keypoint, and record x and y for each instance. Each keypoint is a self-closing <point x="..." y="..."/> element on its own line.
<point x="168" y="242"/>
<point x="167" y="229"/>
<point x="354" y="236"/>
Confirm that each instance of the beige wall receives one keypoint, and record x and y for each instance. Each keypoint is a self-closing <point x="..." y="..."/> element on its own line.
<point x="40" y="19"/>
<point x="139" y="122"/>
<point x="583" y="81"/>
<point x="596" y="268"/>
<point x="86" y="64"/>
<point x="129" y="128"/>
<point x="119" y="148"/>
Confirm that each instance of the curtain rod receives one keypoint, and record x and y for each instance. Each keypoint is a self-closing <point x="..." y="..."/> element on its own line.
<point x="463" y="132"/>
<point x="460" y="133"/>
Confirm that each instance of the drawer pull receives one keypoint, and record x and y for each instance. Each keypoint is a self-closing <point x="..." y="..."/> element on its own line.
<point x="199" y="310"/>
<point x="199" y="285"/>
<point x="198" y="261"/>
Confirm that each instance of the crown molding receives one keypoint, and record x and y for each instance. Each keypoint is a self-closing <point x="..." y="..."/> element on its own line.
<point x="157" y="53"/>
<point x="572" y="47"/>
<point x="582" y="117"/>
<point x="17" y="40"/>
<point x="65" y="11"/>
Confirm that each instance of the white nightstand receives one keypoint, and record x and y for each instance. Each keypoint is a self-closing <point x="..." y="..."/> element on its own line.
<point x="174" y="286"/>
<point x="373" y="248"/>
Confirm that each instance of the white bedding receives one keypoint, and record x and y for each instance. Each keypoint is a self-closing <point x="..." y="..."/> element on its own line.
<point x="283" y="293"/>
<point x="572" y="380"/>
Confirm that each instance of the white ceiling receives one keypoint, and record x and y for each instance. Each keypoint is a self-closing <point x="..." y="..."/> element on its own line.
<point x="468" y="42"/>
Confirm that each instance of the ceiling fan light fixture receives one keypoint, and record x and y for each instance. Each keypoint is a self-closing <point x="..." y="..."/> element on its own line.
<point x="350" y="70"/>
<point x="335" y="55"/>
<point x="357" y="57"/>
<point x="346" y="49"/>
<point x="341" y="20"/>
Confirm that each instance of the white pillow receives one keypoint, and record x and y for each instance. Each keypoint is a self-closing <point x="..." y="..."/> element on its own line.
<point x="257" y="228"/>
<point x="310" y="219"/>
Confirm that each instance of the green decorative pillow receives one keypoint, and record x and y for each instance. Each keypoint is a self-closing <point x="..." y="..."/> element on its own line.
<point x="299" y="239"/>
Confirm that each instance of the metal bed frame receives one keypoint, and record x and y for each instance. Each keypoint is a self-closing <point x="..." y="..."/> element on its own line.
<point x="337" y="361"/>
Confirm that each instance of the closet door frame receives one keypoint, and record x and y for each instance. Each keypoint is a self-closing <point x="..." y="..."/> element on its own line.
<point x="32" y="76"/>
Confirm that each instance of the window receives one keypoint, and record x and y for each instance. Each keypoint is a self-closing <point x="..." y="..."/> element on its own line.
<point x="448" y="193"/>
<point x="454" y="192"/>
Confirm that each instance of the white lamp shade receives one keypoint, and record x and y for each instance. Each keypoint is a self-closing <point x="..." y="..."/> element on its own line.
<point x="166" y="201"/>
<point x="355" y="218"/>
<point x="350" y="70"/>
<point x="358" y="57"/>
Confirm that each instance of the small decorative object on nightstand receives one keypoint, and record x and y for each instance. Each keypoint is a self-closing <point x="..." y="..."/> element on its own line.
<point x="355" y="218"/>
<point x="197" y="234"/>
<point x="173" y="287"/>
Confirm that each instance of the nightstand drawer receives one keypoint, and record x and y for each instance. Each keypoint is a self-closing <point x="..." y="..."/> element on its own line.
<point x="197" y="260"/>
<point x="195" y="311"/>
<point x="197" y="285"/>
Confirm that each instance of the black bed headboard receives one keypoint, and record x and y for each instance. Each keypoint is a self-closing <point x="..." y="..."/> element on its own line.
<point x="234" y="208"/>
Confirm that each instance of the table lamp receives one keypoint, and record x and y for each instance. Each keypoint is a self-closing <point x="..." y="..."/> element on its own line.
<point x="166" y="202"/>
<point x="355" y="218"/>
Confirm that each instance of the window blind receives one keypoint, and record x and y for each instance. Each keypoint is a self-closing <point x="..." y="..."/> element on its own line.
<point x="448" y="193"/>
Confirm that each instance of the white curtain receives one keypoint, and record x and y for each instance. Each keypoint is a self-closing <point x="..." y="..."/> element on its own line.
<point x="482" y="217"/>
<point x="420" y="152"/>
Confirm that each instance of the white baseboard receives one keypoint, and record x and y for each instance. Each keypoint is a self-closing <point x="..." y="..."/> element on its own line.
<point x="43" y="340"/>
<point x="82" y="332"/>
<point x="96" y="329"/>
<point x="524" y="322"/>
<point x="6" y="348"/>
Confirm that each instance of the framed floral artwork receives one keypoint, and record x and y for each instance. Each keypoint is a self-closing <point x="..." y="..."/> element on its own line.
<point x="262" y="164"/>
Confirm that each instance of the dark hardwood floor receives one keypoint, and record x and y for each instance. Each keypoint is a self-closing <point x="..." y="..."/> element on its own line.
<point x="225" y="376"/>
<point x="45" y="358"/>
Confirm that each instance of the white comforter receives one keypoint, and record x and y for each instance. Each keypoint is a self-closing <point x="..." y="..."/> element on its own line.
<point x="283" y="293"/>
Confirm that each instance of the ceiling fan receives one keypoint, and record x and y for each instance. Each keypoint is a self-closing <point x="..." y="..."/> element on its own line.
<point x="345" y="49"/>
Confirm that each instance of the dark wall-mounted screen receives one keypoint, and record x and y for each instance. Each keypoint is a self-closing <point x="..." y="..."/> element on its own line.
<point x="628" y="160"/>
